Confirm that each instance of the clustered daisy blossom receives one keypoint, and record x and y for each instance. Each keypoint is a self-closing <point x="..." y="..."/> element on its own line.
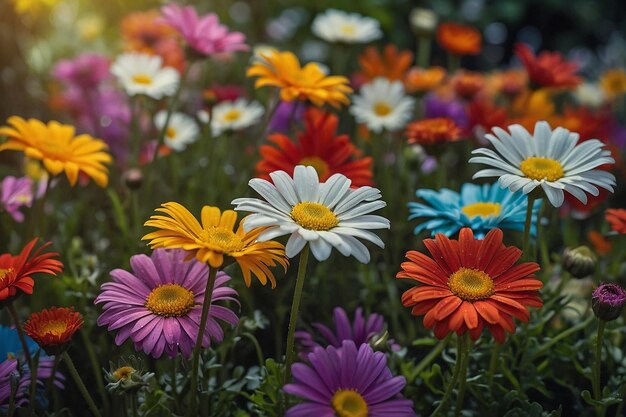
<point x="53" y="328"/>
<point x="324" y="215"/>
<point x="550" y="159"/>
<point x="144" y="74"/>
<point x="158" y="305"/>
<point x="470" y="284"/>
<point x="232" y="115"/>
<point x="181" y="130"/>
<point x="382" y="104"/>
<point x="339" y="26"/>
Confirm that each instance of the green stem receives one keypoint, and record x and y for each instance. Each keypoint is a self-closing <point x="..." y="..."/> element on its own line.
<point x="454" y="62"/>
<point x="257" y="347"/>
<point x="133" y="404"/>
<point x="423" y="51"/>
<point x="467" y="346"/>
<point x="493" y="363"/>
<point x="11" y="409"/>
<point x="295" y="306"/>
<point x="206" y="305"/>
<point x="432" y="355"/>
<point x="527" y="227"/>
<point x="79" y="383"/>
<point x="460" y="352"/>
<point x="95" y="368"/>
<point x="20" y="333"/>
<point x="597" y="391"/>
<point x="580" y="326"/>
<point x="33" y="387"/>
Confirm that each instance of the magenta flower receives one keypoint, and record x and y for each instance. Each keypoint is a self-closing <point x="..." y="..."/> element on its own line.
<point x="203" y="34"/>
<point x="158" y="306"/>
<point x="8" y="370"/>
<point x="608" y="301"/>
<point x="347" y="382"/>
<point x="85" y="71"/>
<point x="16" y="193"/>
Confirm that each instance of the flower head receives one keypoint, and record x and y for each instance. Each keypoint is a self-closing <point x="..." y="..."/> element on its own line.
<point x="283" y="70"/>
<point x="158" y="305"/>
<point x="433" y="131"/>
<point x="140" y="73"/>
<point x="204" y="34"/>
<point x="608" y="301"/>
<point x="420" y="80"/>
<point x="382" y="104"/>
<point x="85" y="71"/>
<point x="325" y="215"/>
<point x="459" y="39"/>
<point x="348" y="381"/>
<point x="9" y="375"/>
<point x="480" y="207"/>
<point x="233" y="115"/>
<point x="56" y="146"/>
<point x="14" y="194"/>
<point x="391" y="64"/>
<point x="181" y="130"/>
<point x="338" y="26"/>
<point x="579" y="261"/>
<point x="470" y="284"/>
<point x="215" y="239"/>
<point x="318" y="146"/>
<point x="16" y="271"/>
<point x="127" y="376"/>
<point x="617" y="219"/>
<point x="613" y="82"/>
<point x="550" y="159"/>
<point x="548" y="69"/>
<point x="53" y="328"/>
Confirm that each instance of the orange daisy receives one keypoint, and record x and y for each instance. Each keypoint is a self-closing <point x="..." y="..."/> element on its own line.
<point x="53" y="328"/>
<point x="548" y="69"/>
<point x="470" y="284"/>
<point x="283" y="70"/>
<point x="16" y="271"/>
<point x="468" y="83"/>
<point x="459" y="39"/>
<point x="433" y="131"/>
<point x="601" y="245"/>
<point x="617" y="220"/>
<point x="318" y="146"/>
<point x="419" y="80"/>
<point x="391" y="64"/>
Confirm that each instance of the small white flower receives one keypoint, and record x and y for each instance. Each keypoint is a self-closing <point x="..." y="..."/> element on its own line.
<point x="145" y="74"/>
<point x="232" y="115"/>
<point x="339" y="26"/>
<point x="181" y="130"/>
<point x="591" y="95"/>
<point x="325" y="215"/>
<point x="550" y="159"/>
<point x="382" y="104"/>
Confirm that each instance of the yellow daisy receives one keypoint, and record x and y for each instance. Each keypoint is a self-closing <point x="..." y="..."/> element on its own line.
<point x="283" y="70"/>
<point x="214" y="239"/>
<point x="613" y="82"/>
<point x="56" y="146"/>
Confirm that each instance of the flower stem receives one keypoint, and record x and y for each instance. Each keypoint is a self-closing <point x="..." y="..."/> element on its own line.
<point x="527" y="226"/>
<point x="295" y="305"/>
<point x="95" y="368"/>
<point x="597" y="391"/>
<point x="436" y="351"/>
<point x="206" y="305"/>
<point x="80" y="384"/>
<point x="467" y="346"/>
<point x="20" y="333"/>
<point x="460" y="352"/>
<point x="493" y="363"/>
<point x="423" y="50"/>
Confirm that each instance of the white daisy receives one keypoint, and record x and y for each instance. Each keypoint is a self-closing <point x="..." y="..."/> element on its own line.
<point x="382" y="104"/>
<point x="181" y="130"/>
<point x="325" y="215"/>
<point x="591" y="95"/>
<point x="552" y="159"/>
<point x="232" y="115"/>
<point x="145" y="74"/>
<point x="339" y="26"/>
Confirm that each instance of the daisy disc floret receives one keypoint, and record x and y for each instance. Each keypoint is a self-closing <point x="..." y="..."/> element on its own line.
<point x="325" y="215"/>
<point x="216" y="238"/>
<point x="158" y="304"/>
<point x="470" y="284"/>
<point x="338" y="26"/>
<point x="144" y="74"/>
<point x="550" y="159"/>
<point x="283" y="70"/>
<point x="382" y="104"/>
<point x="58" y="148"/>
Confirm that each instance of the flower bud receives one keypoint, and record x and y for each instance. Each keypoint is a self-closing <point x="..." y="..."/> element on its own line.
<point x="127" y="376"/>
<point x="580" y="261"/>
<point x="423" y="21"/>
<point x="608" y="301"/>
<point x="133" y="178"/>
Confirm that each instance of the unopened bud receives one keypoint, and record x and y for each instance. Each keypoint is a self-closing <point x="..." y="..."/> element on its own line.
<point x="608" y="301"/>
<point x="133" y="178"/>
<point x="580" y="261"/>
<point x="423" y="21"/>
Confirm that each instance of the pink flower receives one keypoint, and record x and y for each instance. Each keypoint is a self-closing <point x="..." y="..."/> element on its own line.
<point x="85" y="71"/>
<point x="16" y="193"/>
<point x="204" y="34"/>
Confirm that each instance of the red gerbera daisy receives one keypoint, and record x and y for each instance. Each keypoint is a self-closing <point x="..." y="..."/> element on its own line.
<point x="617" y="220"/>
<point x="318" y="146"/>
<point x="470" y="284"/>
<point x="16" y="271"/>
<point x="548" y="69"/>
<point x="53" y="328"/>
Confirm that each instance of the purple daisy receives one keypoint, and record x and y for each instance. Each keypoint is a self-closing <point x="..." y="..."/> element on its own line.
<point x="8" y="369"/>
<point x="159" y="305"/>
<point x="16" y="193"/>
<point x="347" y="382"/>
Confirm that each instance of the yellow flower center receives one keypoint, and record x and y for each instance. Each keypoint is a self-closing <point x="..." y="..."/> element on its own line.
<point x="349" y="403"/>
<point x="382" y="109"/>
<point x="540" y="168"/>
<point x="481" y="209"/>
<point x="142" y="79"/>
<point x="170" y="300"/>
<point x="314" y="216"/>
<point x="232" y="115"/>
<point x="348" y="30"/>
<point x="5" y="273"/>
<point x="316" y="162"/>
<point x="170" y="133"/>
<point x="227" y="240"/>
<point x="54" y="327"/>
<point x="471" y="284"/>
<point x="123" y="373"/>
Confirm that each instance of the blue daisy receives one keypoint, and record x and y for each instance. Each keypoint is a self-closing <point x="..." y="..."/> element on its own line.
<point x="480" y="207"/>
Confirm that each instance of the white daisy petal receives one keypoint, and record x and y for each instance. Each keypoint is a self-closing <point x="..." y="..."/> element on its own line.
<point x="320" y="249"/>
<point x="555" y="195"/>
<point x="294" y="245"/>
